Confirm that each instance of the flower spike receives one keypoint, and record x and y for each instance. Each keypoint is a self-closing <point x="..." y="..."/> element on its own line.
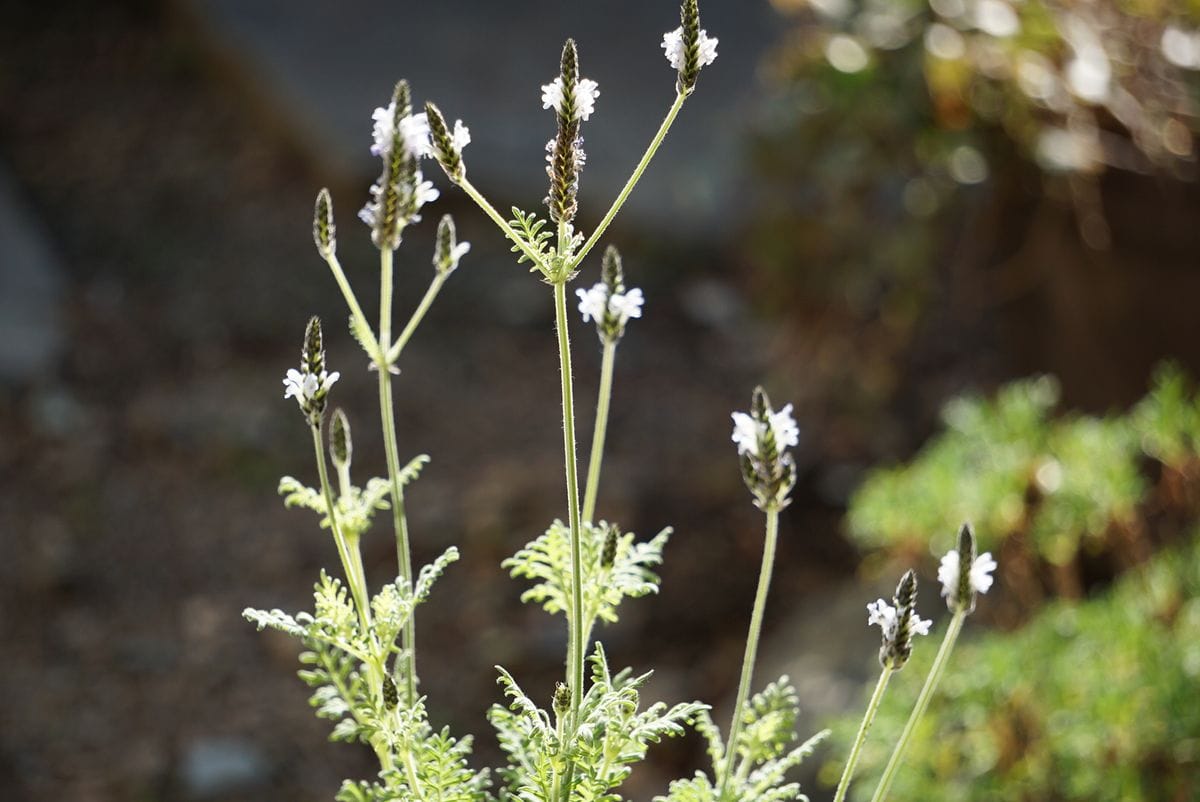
<point x="324" y="231"/>
<point x="573" y="99"/>
<point x="960" y="586"/>
<point x="341" y="446"/>
<point x="310" y="385"/>
<point x="608" y="302"/>
<point x="448" y="250"/>
<point x="761" y="437"/>
<point x="447" y="147"/>
<point x="899" y="623"/>
<point x="689" y="48"/>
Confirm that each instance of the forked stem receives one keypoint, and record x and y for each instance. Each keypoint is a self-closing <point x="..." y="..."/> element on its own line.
<point x="931" y="683"/>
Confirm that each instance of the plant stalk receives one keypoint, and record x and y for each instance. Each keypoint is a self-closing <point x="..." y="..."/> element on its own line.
<point x="502" y="224"/>
<point x="387" y="415"/>
<point x="863" y="729"/>
<point x="355" y="581"/>
<point x="599" y="432"/>
<point x="636" y="176"/>
<point x="931" y="683"/>
<point x="575" y="650"/>
<point x="752" y="638"/>
<point x="418" y="315"/>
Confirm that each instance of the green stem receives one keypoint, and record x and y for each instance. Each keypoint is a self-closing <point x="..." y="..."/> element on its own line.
<point x="863" y="728"/>
<point x="399" y="519"/>
<point x="417" y="316"/>
<point x="351" y="300"/>
<point x="354" y="580"/>
<point x="575" y="650"/>
<point x="756" y="619"/>
<point x="491" y="212"/>
<point x="651" y="149"/>
<point x="931" y="683"/>
<point x="593" y="476"/>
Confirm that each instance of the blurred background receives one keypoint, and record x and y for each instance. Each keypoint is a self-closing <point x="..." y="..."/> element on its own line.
<point x="962" y="236"/>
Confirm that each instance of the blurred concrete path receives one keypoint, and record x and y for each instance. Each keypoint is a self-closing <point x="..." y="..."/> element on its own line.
<point x="328" y="65"/>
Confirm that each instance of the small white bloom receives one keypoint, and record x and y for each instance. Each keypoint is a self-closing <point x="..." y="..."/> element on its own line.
<point x="304" y="387"/>
<point x="881" y="613"/>
<point x="461" y="136"/>
<point x="586" y="92"/>
<point x="746" y="430"/>
<point x="414" y="131"/>
<point x="626" y="305"/>
<point x="672" y="45"/>
<point x="593" y="302"/>
<point x="456" y="255"/>
<point x="979" y="576"/>
<point x="383" y="129"/>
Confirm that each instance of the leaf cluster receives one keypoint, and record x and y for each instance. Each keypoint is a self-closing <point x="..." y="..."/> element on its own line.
<point x="547" y="561"/>
<point x="764" y="753"/>
<point x="612" y="735"/>
<point x="357" y="506"/>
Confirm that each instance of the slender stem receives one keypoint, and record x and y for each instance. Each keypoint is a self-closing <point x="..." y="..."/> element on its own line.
<point x="354" y="580"/>
<point x="491" y="212"/>
<point x="598" y="433"/>
<point x="575" y="651"/>
<point x="387" y="415"/>
<point x="931" y="682"/>
<point x="863" y="728"/>
<point x="351" y="301"/>
<point x="435" y="286"/>
<point x="756" y="619"/>
<point x="651" y="149"/>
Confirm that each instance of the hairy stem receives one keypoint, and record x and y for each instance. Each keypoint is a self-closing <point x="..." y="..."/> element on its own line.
<point x="863" y="729"/>
<point x="931" y="683"/>
<point x="503" y="225"/>
<point x="418" y="315"/>
<point x="387" y="415"/>
<point x="356" y="312"/>
<point x="598" y="433"/>
<point x="575" y="651"/>
<point x="756" y="619"/>
<point x="651" y="149"/>
<point x="354" y="580"/>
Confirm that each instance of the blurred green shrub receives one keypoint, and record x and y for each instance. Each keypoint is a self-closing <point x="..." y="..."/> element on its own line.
<point x="1043" y="490"/>
<point x="1094" y="701"/>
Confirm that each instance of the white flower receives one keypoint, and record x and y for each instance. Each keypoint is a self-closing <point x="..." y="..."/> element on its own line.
<point x="596" y="304"/>
<point x="672" y="45"/>
<point x="881" y="613"/>
<point x="746" y="430"/>
<point x="305" y="387"/>
<point x="979" y="576"/>
<point x="414" y="132"/>
<point x="586" y="91"/>
<point x="383" y="129"/>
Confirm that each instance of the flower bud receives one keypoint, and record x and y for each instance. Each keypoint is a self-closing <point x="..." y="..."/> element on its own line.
<point x="341" y="447"/>
<point x="324" y="231"/>
<point x="444" y="149"/>
<point x="562" y="699"/>
<point x="391" y="695"/>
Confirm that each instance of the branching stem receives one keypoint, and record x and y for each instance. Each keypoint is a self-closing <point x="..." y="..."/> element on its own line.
<point x="503" y="225"/>
<point x="931" y="683"/>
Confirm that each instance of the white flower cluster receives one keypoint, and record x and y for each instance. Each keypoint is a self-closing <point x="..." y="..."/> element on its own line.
<point x="746" y="430"/>
<point x="596" y="304"/>
<point x="586" y="91"/>
<point x="414" y="132"/>
<point x="673" y="47"/>
<point x="885" y="615"/>
<point x="979" y="576"/>
<point x="305" y="387"/>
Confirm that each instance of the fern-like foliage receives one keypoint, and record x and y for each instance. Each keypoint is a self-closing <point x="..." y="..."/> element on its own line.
<point x="357" y="506"/>
<point x="533" y="230"/>
<point x="613" y="733"/>
<point x="547" y="561"/>
<point x="763" y="757"/>
<point x="339" y="654"/>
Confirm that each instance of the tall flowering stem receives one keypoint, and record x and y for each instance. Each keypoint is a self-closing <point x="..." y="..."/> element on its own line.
<point x="387" y="414"/>
<point x="600" y="430"/>
<point x="575" y="646"/>
<point x="751" y="655"/>
<point x="634" y="178"/>
<point x="863" y="728"/>
<point x="931" y="683"/>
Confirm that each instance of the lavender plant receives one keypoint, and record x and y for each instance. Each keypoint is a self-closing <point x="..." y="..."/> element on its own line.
<point x="360" y="639"/>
